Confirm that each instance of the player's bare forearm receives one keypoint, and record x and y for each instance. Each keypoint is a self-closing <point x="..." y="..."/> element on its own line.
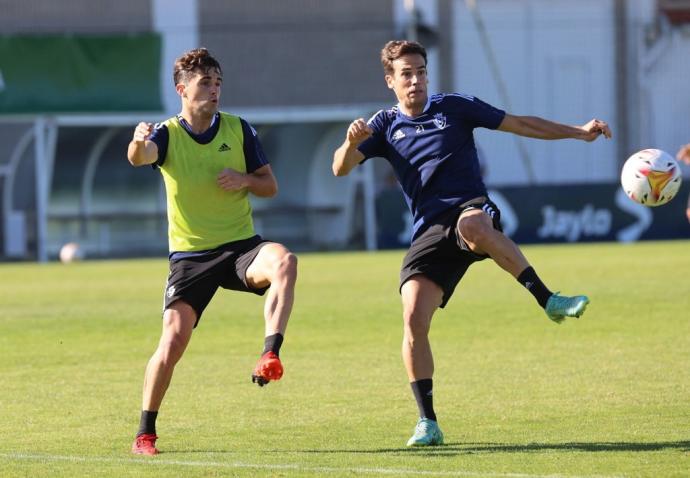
<point x="260" y="183"/>
<point x="540" y="128"/>
<point x="139" y="153"/>
<point x="345" y="158"/>
<point x="264" y="186"/>
<point x="535" y="127"/>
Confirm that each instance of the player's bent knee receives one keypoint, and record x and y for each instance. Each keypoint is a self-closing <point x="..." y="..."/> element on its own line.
<point x="287" y="266"/>
<point x="474" y="230"/>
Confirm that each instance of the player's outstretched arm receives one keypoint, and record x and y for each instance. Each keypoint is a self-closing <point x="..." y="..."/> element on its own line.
<point x="141" y="151"/>
<point x="540" y="128"/>
<point x="684" y="154"/>
<point x="347" y="156"/>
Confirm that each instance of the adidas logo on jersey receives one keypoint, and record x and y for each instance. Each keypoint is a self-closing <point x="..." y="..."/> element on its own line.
<point x="398" y="135"/>
<point x="223" y="147"/>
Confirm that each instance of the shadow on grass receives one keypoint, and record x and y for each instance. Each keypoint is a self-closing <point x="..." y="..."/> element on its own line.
<point x="589" y="447"/>
<point x="457" y="448"/>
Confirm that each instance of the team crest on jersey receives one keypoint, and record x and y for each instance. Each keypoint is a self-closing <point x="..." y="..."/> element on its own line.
<point x="440" y="120"/>
<point x="398" y="135"/>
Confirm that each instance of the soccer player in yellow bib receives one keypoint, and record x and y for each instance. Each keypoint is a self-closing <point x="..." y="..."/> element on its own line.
<point x="210" y="162"/>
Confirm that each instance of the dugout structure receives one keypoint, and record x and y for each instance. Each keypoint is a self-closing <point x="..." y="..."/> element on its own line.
<point x="64" y="176"/>
<point x="43" y="80"/>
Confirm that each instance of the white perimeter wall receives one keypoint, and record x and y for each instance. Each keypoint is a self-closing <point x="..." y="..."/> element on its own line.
<point x="556" y="58"/>
<point x="662" y="68"/>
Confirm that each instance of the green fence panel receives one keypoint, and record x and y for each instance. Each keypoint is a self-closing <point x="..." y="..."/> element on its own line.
<point x="79" y="73"/>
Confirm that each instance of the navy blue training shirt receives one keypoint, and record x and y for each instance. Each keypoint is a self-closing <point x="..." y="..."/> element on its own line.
<point x="433" y="155"/>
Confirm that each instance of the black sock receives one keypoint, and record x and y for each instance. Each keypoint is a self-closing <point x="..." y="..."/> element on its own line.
<point x="147" y="423"/>
<point x="533" y="283"/>
<point x="272" y="343"/>
<point x="423" y="393"/>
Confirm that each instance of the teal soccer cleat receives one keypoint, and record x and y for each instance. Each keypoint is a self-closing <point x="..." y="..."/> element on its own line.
<point x="558" y="307"/>
<point x="426" y="433"/>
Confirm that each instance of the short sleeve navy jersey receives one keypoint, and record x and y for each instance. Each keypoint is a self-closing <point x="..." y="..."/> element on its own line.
<point x="433" y="155"/>
<point x="253" y="152"/>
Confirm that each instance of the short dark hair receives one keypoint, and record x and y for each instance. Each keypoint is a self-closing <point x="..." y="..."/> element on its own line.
<point x="198" y="60"/>
<point x="395" y="49"/>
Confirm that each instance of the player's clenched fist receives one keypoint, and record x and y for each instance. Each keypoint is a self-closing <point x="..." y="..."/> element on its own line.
<point x="358" y="131"/>
<point x="142" y="131"/>
<point x="595" y="128"/>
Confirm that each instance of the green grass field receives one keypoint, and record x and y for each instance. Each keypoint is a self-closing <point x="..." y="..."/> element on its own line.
<point x="517" y="395"/>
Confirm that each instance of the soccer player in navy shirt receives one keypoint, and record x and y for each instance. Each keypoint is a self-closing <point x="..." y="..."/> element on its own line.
<point x="428" y="140"/>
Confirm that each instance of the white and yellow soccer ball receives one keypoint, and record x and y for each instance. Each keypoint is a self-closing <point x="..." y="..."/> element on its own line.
<point x="71" y="252"/>
<point x="651" y="177"/>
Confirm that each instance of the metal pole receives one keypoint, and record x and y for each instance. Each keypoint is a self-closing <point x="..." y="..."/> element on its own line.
<point x="622" y="79"/>
<point x="41" y="187"/>
<point x="411" y="20"/>
<point x="177" y="21"/>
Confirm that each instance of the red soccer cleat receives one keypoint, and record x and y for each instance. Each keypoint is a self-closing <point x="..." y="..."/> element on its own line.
<point x="267" y="368"/>
<point x="145" y="444"/>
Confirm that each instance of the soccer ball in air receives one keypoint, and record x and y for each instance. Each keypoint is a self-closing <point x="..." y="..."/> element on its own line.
<point x="651" y="177"/>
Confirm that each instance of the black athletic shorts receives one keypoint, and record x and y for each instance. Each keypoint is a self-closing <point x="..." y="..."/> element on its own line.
<point x="440" y="254"/>
<point x="195" y="279"/>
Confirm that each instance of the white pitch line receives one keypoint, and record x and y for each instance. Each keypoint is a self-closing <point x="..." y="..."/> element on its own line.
<point x="157" y="461"/>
